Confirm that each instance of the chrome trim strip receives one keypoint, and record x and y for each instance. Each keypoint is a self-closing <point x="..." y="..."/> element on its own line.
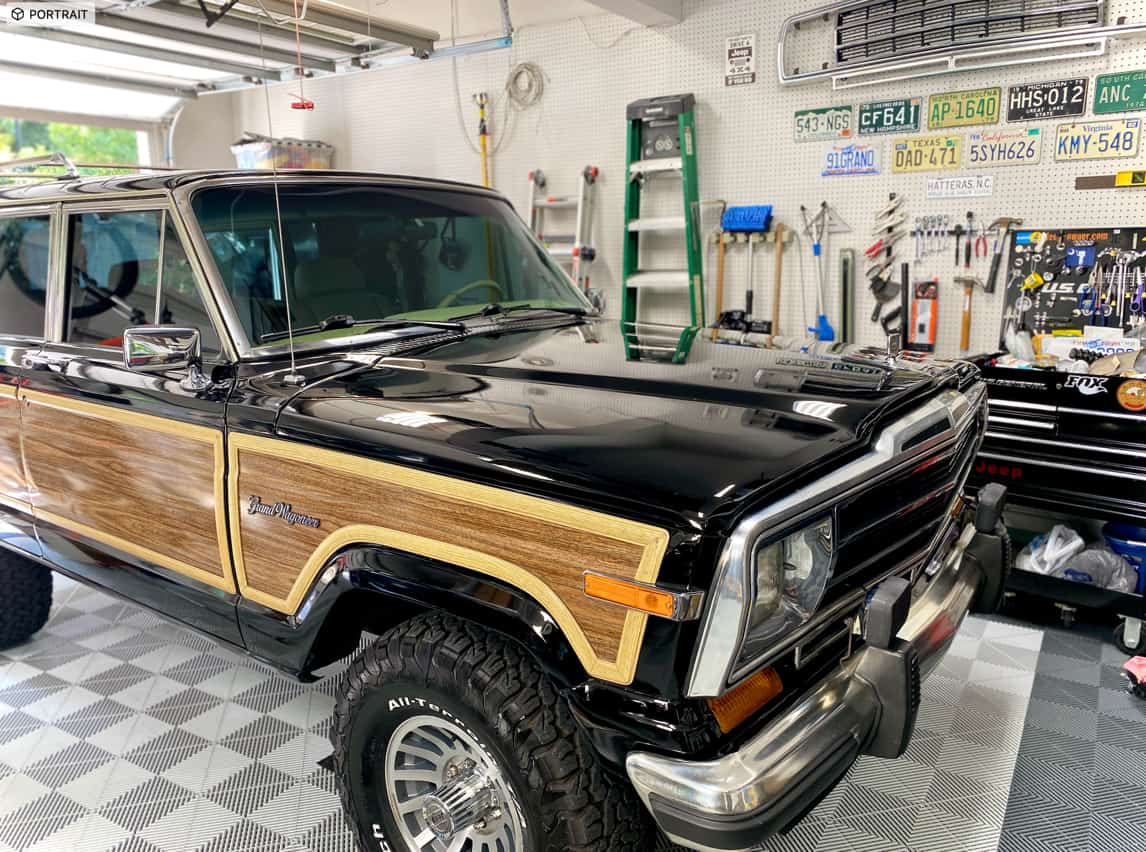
<point x="817" y="729"/>
<point x="1010" y="403"/>
<point x="1096" y="471"/>
<point x="1065" y="445"/>
<point x="725" y="620"/>
<point x="1014" y="421"/>
<point x="1141" y="418"/>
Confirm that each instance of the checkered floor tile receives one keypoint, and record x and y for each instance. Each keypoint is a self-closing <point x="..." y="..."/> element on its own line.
<point x="121" y="732"/>
<point x="949" y="792"/>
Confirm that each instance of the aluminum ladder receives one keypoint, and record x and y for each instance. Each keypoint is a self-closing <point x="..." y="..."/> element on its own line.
<point x="574" y="249"/>
<point x="661" y="142"/>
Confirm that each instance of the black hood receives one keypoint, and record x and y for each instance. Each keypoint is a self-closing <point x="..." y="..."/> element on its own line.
<point x="561" y="412"/>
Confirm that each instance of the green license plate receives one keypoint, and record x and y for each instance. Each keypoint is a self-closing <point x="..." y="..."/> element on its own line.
<point x="898" y="116"/>
<point x="1120" y="92"/>
<point x="961" y="109"/>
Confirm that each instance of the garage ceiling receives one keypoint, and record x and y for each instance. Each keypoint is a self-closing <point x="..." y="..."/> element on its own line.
<point x="141" y="59"/>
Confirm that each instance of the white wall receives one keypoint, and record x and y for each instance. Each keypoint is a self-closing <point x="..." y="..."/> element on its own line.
<point x="404" y="120"/>
<point x="203" y="134"/>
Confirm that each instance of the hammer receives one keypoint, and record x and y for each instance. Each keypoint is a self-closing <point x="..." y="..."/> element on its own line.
<point x="969" y="282"/>
<point x="1006" y="223"/>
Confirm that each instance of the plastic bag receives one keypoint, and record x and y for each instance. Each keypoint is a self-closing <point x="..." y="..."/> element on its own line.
<point x="1047" y="553"/>
<point x="1100" y="566"/>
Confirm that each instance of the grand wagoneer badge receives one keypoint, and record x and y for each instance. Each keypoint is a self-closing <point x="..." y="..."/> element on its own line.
<point x="256" y="506"/>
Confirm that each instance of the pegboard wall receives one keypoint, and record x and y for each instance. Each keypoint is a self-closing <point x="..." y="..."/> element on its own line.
<point x="405" y="120"/>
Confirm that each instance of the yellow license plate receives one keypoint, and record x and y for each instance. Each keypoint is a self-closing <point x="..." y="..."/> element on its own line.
<point x="1098" y="140"/>
<point x="926" y="153"/>
<point x="961" y="109"/>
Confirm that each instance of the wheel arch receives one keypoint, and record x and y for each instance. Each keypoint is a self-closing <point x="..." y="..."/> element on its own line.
<point x="367" y="587"/>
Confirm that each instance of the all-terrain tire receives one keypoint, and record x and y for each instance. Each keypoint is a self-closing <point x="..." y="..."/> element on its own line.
<point x="27" y="598"/>
<point x="497" y="690"/>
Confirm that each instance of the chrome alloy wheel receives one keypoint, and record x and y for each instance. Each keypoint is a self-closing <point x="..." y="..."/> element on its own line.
<point x="447" y="793"/>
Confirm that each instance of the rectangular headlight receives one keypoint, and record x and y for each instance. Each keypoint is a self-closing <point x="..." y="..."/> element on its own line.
<point x="789" y="575"/>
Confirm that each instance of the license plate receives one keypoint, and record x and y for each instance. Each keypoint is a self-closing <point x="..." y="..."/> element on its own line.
<point x="1120" y="92"/>
<point x="1035" y="101"/>
<point x="1105" y="140"/>
<point x="898" y="116"/>
<point x="1004" y="147"/>
<point x="960" y="109"/>
<point x="854" y="159"/>
<point x="926" y="153"/>
<point x="823" y="124"/>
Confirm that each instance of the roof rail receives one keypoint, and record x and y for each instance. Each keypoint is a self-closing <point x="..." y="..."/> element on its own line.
<point x="11" y="168"/>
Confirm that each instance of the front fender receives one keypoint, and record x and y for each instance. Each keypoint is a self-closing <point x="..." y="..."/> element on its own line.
<point x="371" y="588"/>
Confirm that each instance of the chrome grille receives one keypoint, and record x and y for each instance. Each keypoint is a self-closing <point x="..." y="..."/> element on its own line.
<point x="890" y="28"/>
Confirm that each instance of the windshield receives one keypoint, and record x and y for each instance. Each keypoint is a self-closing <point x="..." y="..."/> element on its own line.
<point x="356" y="254"/>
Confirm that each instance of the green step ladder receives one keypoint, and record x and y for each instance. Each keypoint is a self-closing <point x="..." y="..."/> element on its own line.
<point x="661" y="142"/>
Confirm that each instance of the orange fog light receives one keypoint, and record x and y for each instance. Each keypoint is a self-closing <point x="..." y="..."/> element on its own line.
<point x="742" y="701"/>
<point x="632" y="595"/>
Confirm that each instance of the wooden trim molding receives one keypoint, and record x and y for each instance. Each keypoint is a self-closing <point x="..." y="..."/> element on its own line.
<point x="129" y="467"/>
<point x="539" y="546"/>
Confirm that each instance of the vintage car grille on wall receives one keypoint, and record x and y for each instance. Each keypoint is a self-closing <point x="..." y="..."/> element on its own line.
<point x="864" y="42"/>
<point x="888" y="28"/>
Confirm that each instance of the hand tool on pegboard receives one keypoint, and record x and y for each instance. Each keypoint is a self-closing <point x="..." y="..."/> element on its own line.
<point x="968" y="283"/>
<point x="818" y="228"/>
<point x="778" y="276"/>
<point x="970" y="236"/>
<point x="958" y="242"/>
<point x="1002" y="238"/>
<point x="847" y="295"/>
<point x="750" y="222"/>
<point x="722" y="240"/>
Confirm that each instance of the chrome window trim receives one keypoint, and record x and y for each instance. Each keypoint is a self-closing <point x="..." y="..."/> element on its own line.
<point x="725" y="618"/>
<point x="143" y="202"/>
<point x="40" y="209"/>
<point x="183" y="195"/>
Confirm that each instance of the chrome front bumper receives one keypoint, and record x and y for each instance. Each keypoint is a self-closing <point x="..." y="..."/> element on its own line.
<point x="740" y="799"/>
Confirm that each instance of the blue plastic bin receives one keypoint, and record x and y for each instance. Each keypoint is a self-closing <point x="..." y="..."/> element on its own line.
<point x="1129" y="542"/>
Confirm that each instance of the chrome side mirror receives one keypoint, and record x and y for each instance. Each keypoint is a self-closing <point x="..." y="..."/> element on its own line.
<point x="161" y="349"/>
<point x="597" y="299"/>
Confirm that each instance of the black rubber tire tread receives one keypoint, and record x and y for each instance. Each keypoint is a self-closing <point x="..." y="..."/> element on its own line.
<point x="583" y="809"/>
<point x="27" y="589"/>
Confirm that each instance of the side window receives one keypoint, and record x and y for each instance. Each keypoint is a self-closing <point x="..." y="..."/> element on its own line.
<point x="180" y="302"/>
<point x="113" y="272"/>
<point x="24" y="244"/>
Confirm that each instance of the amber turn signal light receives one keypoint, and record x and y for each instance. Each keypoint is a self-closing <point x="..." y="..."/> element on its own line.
<point x="742" y="701"/>
<point x="632" y="595"/>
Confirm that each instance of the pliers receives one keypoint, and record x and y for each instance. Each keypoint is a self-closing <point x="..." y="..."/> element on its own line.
<point x="981" y="245"/>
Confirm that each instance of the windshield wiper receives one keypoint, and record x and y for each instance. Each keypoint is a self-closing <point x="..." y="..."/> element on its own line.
<point x="336" y="321"/>
<point x="496" y="308"/>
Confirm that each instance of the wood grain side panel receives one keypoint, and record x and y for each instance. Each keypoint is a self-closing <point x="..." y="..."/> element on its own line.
<point x="147" y="485"/>
<point x="12" y="487"/>
<point x="540" y="546"/>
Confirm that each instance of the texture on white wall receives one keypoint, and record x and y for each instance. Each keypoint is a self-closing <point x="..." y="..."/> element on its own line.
<point x="406" y="120"/>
